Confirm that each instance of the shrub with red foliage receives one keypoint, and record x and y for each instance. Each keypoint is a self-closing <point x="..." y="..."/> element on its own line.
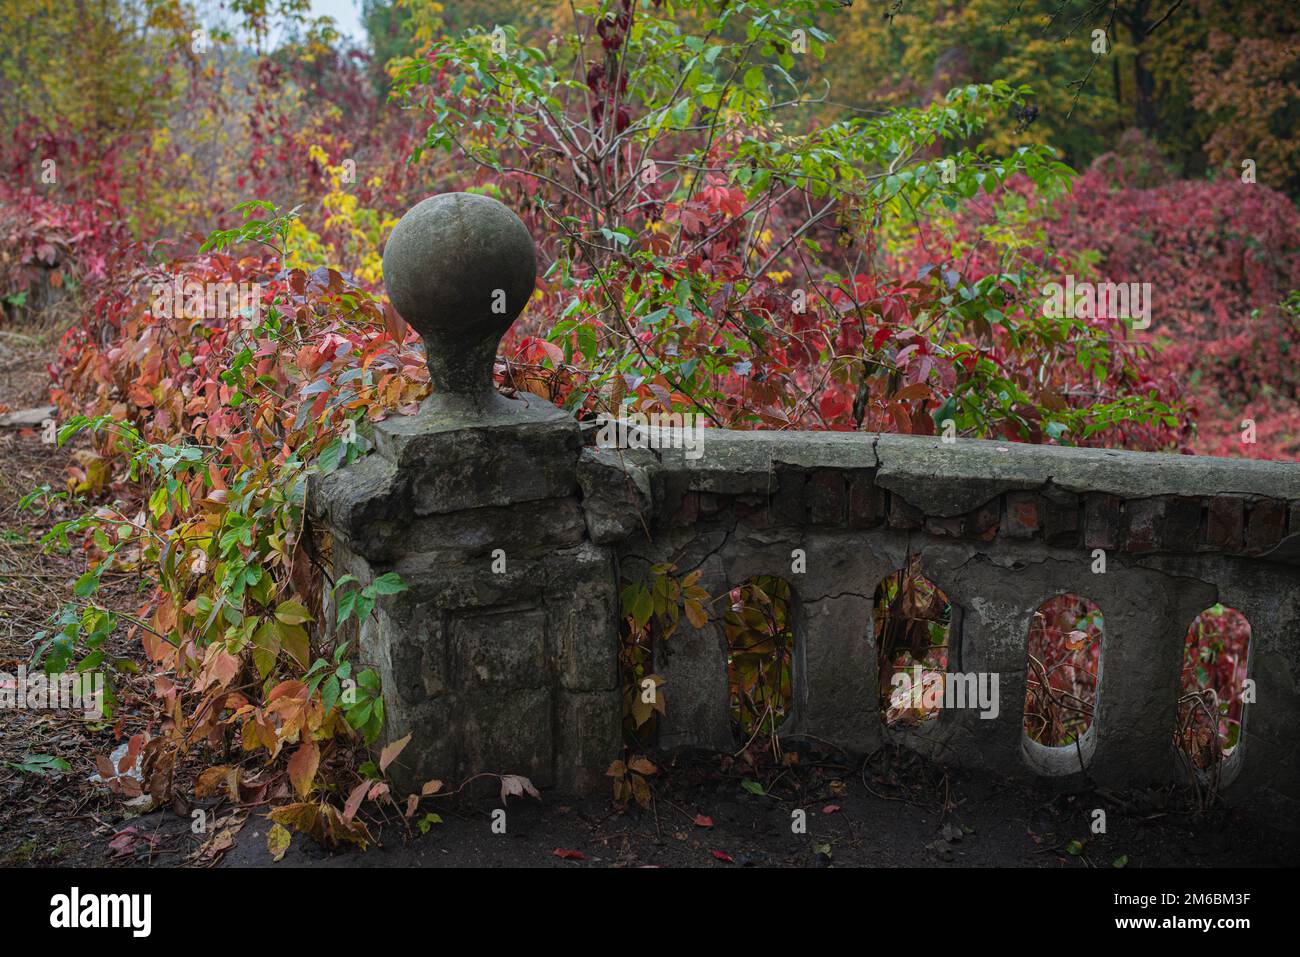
<point x="1221" y="257"/>
<point x="47" y="246"/>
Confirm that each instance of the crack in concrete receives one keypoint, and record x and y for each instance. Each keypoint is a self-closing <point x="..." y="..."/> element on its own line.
<point x="842" y="594"/>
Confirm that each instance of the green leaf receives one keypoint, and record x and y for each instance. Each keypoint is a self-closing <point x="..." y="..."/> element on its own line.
<point x="294" y="641"/>
<point x="266" y="646"/>
<point x="41" y="765"/>
<point x="387" y="584"/>
<point x="158" y="503"/>
<point x="642" y="605"/>
<point x="329" y="693"/>
<point x="347" y="603"/>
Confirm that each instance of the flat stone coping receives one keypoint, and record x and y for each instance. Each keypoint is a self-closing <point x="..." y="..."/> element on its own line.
<point x="958" y="476"/>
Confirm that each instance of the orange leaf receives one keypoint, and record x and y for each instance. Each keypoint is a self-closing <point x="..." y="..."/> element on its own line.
<point x="303" y="765"/>
<point x="210" y="780"/>
<point x="642" y="766"/>
<point x="916" y="390"/>
<point x="695" y="613"/>
<point x="394" y="324"/>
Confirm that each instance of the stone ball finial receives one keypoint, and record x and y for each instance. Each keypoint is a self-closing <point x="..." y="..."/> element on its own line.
<point x="459" y="268"/>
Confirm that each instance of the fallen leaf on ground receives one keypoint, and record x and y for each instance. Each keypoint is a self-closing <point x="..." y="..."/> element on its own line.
<point x="277" y="841"/>
<point x="127" y="841"/>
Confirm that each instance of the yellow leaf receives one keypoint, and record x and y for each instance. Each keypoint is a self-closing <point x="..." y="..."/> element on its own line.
<point x="292" y="613"/>
<point x="277" y="841"/>
<point x="303" y="816"/>
<point x="210" y="780"/>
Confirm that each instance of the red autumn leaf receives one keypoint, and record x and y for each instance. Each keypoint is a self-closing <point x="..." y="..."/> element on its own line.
<point x="833" y="404"/>
<point x="901" y="418"/>
<point x="394" y="324"/>
<point x="126" y="842"/>
<point x="917" y="390"/>
<point x="570" y="855"/>
<point x="703" y="821"/>
<point x="723" y="856"/>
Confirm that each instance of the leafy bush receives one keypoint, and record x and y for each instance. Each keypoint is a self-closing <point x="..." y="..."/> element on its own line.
<point x="203" y="431"/>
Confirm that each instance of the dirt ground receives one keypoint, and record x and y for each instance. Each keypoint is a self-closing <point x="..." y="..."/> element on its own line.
<point x="894" y="811"/>
<point x="45" y="818"/>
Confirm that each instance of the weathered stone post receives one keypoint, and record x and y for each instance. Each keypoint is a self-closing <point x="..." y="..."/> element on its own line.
<point x="502" y="654"/>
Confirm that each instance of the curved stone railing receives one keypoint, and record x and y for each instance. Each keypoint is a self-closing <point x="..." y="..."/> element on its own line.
<point x="513" y="531"/>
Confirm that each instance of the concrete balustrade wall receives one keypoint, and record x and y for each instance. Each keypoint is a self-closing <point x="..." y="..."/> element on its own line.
<point x="514" y="532"/>
<point x="999" y="528"/>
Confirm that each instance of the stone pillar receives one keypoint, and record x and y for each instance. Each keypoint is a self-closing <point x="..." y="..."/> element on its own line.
<point x="502" y="654"/>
